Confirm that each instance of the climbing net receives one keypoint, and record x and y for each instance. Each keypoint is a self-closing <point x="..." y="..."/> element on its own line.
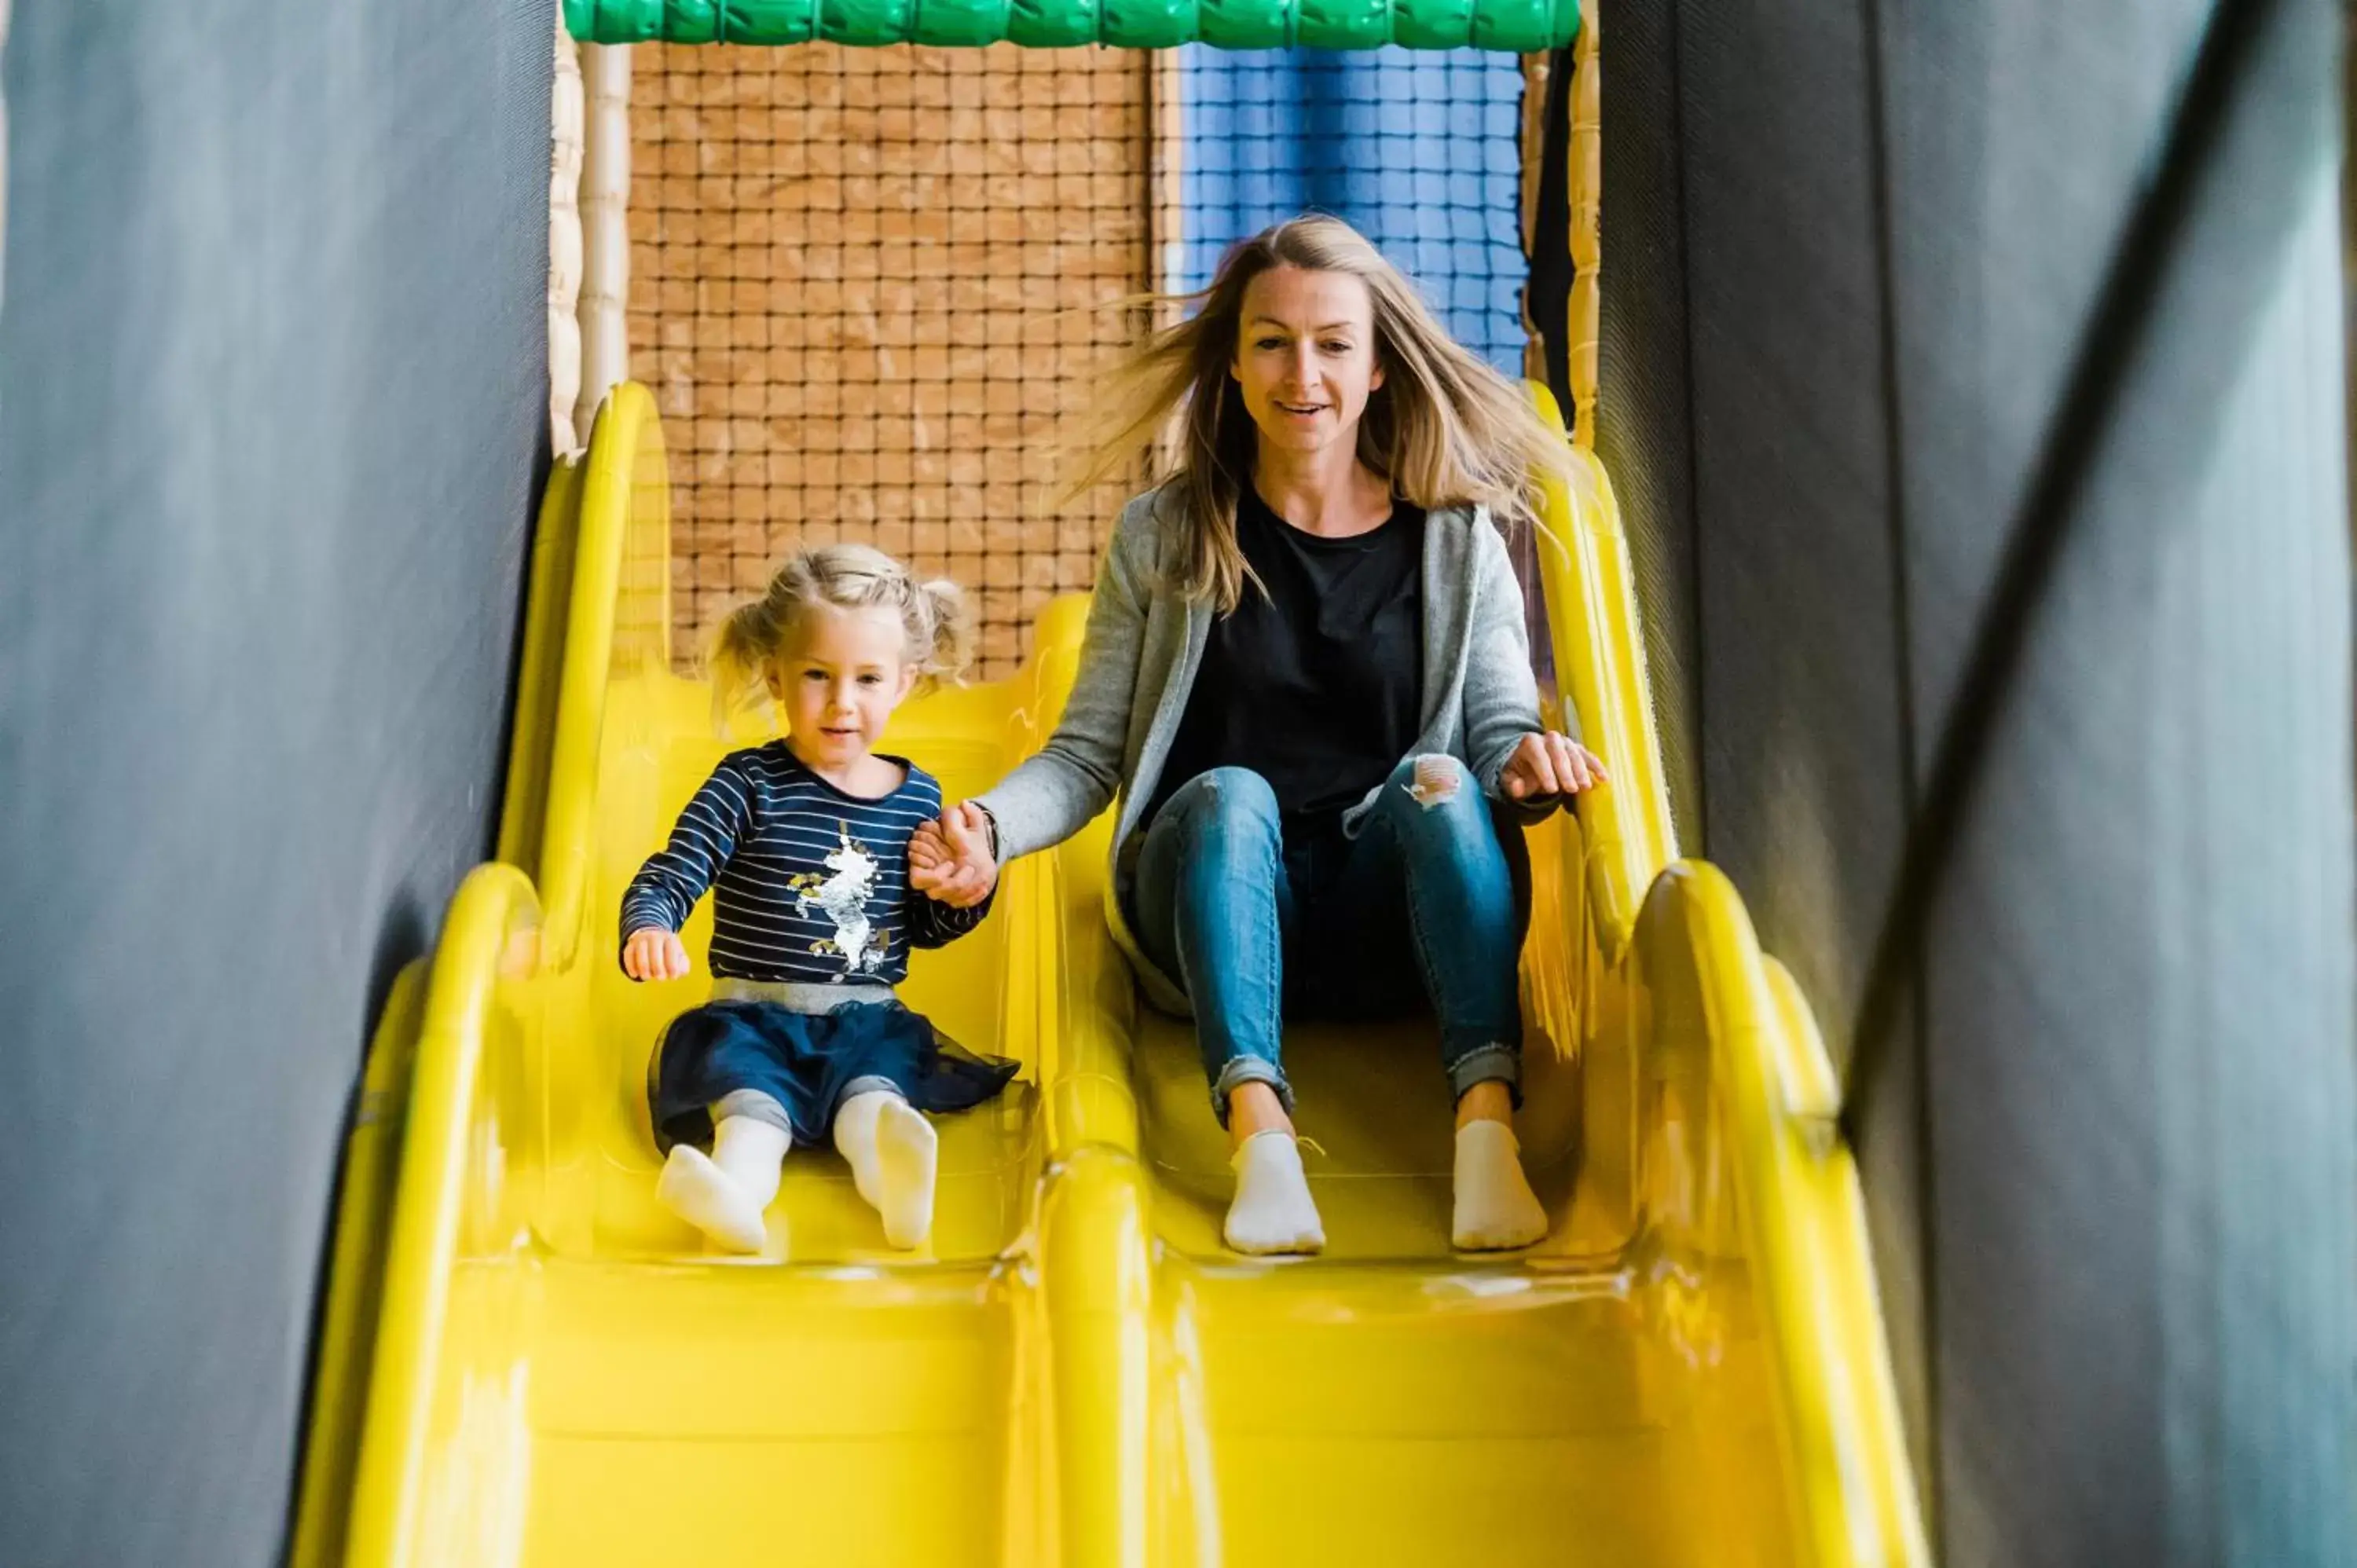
<point x="869" y="286"/>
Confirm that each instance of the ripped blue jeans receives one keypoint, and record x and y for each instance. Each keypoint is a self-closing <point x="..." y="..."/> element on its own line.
<point x="1426" y="906"/>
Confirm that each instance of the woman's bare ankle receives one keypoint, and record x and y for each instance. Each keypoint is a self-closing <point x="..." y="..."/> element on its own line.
<point x="1254" y="1108"/>
<point x="1488" y="1100"/>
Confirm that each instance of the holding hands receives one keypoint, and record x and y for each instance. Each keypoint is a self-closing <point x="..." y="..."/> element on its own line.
<point x="1549" y="763"/>
<point x="951" y="860"/>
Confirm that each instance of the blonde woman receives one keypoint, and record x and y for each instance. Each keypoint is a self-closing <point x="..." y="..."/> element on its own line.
<point x="1306" y="678"/>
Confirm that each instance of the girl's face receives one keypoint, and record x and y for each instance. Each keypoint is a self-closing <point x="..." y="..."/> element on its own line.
<point x="1306" y="357"/>
<point x="838" y="680"/>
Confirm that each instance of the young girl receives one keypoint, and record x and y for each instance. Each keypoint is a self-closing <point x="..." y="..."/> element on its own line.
<point x="805" y="841"/>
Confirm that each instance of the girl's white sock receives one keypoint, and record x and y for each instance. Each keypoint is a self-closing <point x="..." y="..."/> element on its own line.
<point x="895" y="1155"/>
<point x="752" y="1153"/>
<point x="855" y="1140"/>
<point x="723" y="1196"/>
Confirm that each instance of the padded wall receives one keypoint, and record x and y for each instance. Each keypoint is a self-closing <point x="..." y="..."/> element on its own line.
<point x="1848" y="258"/>
<point x="271" y="424"/>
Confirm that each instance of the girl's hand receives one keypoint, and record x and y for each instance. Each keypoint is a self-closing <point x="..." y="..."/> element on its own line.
<point x="950" y="861"/>
<point x="653" y="953"/>
<point x="1549" y="763"/>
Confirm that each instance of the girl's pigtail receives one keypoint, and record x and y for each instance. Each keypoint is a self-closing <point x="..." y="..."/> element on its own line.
<point x="742" y="651"/>
<point x="946" y="637"/>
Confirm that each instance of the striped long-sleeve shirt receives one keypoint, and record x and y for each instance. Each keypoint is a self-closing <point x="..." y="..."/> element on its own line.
<point x="809" y="884"/>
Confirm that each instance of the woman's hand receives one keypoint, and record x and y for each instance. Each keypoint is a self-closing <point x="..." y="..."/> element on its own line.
<point x="653" y="953"/>
<point x="1549" y="763"/>
<point x="950" y="861"/>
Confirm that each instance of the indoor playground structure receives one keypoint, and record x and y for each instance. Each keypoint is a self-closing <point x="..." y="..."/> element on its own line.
<point x="1078" y="1371"/>
<point x="531" y="1363"/>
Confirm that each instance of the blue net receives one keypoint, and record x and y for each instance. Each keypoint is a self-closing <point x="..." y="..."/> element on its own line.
<point x="1417" y="149"/>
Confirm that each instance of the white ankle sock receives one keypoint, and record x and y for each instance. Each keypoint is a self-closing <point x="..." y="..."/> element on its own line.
<point x="752" y="1153"/>
<point x="1272" y="1212"/>
<point x="701" y="1193"/>
<point x="855" y="1140"/>
<point x="1495" y="1208"/>
<point x="907" y="1156"/>
<point x="894" y="1156"/>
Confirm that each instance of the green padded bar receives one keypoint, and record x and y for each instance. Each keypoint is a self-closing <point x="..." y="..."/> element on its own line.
<point x="1432" y="23"/>
<point x="765" y="22"/>
<point x="1051" y="24"/>
<point x="1514" y="25"/>
<point x="1144" y="23"/>
<point x="947" y="22"/>
<point x="866" y="22"/>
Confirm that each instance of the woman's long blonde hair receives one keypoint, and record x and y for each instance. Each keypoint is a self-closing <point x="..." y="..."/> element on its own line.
<point x="845" y="577"/>
<point x="1444" y="428"/>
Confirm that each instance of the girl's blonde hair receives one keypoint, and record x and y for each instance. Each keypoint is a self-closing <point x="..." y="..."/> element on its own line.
<point x="1444" y="428"/>
<point x="847" y="577"/>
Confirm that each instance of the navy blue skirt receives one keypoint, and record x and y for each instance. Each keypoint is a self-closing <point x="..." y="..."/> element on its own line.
<point x="804" y="1061"/>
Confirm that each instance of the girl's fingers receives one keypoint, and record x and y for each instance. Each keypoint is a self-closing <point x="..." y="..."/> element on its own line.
<point x="975" y="881"/>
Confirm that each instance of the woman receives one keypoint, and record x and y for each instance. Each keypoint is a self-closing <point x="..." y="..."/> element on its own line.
<point x="1307" y="677"/>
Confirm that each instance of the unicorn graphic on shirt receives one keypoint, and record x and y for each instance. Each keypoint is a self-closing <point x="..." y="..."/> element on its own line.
<point x="842" y="897"/>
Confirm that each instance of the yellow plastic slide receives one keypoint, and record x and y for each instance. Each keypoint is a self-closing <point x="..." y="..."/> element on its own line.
<point x="527" y="1361"/>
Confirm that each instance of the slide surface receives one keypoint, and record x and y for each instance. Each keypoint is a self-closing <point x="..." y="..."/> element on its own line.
<point x="527" y="1361"/>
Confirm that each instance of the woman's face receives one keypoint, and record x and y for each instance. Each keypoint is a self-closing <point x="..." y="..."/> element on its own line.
<point x="1306" y="357"/>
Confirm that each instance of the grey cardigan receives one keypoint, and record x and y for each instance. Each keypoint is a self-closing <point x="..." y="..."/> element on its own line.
<point x="1145" y="642"/>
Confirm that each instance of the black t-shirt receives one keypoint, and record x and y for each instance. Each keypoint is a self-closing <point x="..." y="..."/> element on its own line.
<point x="1317" y="685"/>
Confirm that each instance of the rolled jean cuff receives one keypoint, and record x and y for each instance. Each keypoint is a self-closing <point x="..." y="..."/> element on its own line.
<point x="1248" y="1070"/>
<point x="1492" y="1063"/>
